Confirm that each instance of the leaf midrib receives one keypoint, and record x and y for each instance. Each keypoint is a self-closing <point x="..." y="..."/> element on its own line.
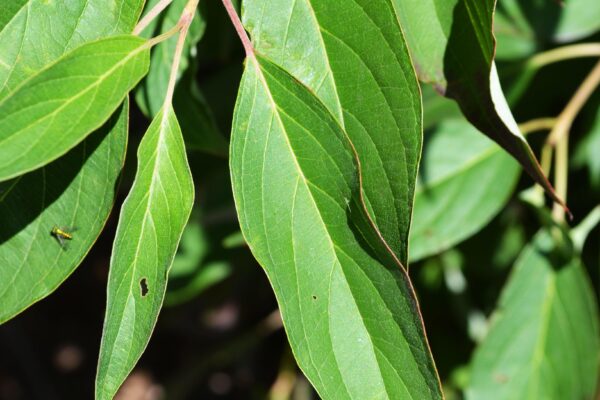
<point x="308" y="184"/>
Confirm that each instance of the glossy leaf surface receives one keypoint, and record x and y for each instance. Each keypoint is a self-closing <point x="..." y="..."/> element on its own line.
<point x="352" y="321"/>
<point x="76" y="192"/>
<point x="359" y="67"/>
<point x="464" y="180"/>
<point x="55" y="109"/>
<point x="151" y="223"/>
<point x="454" y="51"/>
<point x="543" y="341"/>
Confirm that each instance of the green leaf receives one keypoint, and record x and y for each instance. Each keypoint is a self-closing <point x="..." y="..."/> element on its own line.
<point x="8" y="10"/>
<point x="43" y="31"/>
<point x="543" y="342"/>
<point x="198" y="124"/>
<point x="366" y="81"/>
<point x="194" y="270"/>
<point x="437" y="108"/>
<point x="586" y="152"/>
<point x="76" y="191"/>
<point x="352" y="322"/>
<point x="516" y="38"/>
<point x="454" y="51"/>
<point x="151" y="223"/>
<point x="150" y="95"/>
<point x="464" y="181"/>
<point x="578" y="19"/>
<point x="59" y="106"/>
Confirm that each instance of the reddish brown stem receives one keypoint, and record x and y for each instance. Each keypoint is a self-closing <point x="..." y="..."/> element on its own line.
<point x="237" y="23"/>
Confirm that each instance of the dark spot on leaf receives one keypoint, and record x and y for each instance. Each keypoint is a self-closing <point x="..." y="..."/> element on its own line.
<point x="314" y="297"/>
<point x="144" y="287"/>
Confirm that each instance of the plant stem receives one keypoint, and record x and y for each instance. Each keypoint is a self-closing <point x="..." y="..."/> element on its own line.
<point x="184" y="24"/>
<point x="537" y="124"/>
<point x="548" y="57"/>
<point x="566" y="117"/>
<point x="561" y="168"/>
<point x="559" y="136"/>
<point x="148" y="18"/>
<point x="239" y="27"/>
<point x="564" y="53"/>
<point x="162" y="37"/>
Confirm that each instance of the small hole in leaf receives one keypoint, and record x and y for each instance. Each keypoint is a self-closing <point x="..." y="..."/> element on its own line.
<point x="144" y="287"/>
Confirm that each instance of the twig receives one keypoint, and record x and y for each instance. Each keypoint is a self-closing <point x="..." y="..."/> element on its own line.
<point x="239" y="27"/>
<point x="564" y="53"/>
<point x="538" y="124"/>
<point x="559" y="136"/>
<point x="184" y="23"/>
<point x="164" y="36"/>
<point x="566" y="117"/>
<point x="548" y="57"/>
<point x="148" y="18"/>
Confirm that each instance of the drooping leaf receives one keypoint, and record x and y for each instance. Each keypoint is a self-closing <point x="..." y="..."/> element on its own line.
<point x="151" y="223"/>
<point x="352" y="321"/>
<point x="366" y="81"/>
<point x="43" y="31"/>
<point x="57" y="189"/>
<point x="454" y="51"/>
<point x="543" y="341"/>
<point x="58" y="107"/>
<point x="75" y="192"/>
<point x="464" y="180"/>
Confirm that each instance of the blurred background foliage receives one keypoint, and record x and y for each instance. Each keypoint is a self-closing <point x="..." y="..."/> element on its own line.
<point x="219" y="335"/>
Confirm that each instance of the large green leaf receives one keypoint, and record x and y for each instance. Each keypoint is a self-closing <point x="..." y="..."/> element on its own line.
<point x="454" y="51"/>
<point x="44" y="30"/>
<point x="56" y="192"/>
<point x="366" y="81"/>
<point x="77" y="191"/>
<point x="151" y="223"/>
<point x="464" y="180"/>
<point x="352" y="321"/>
<point x="544" y="338"/>
<point x="55" y="109"/>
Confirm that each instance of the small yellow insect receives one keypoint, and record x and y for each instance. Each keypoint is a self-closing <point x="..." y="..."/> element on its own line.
<point x="61" y="234"/>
